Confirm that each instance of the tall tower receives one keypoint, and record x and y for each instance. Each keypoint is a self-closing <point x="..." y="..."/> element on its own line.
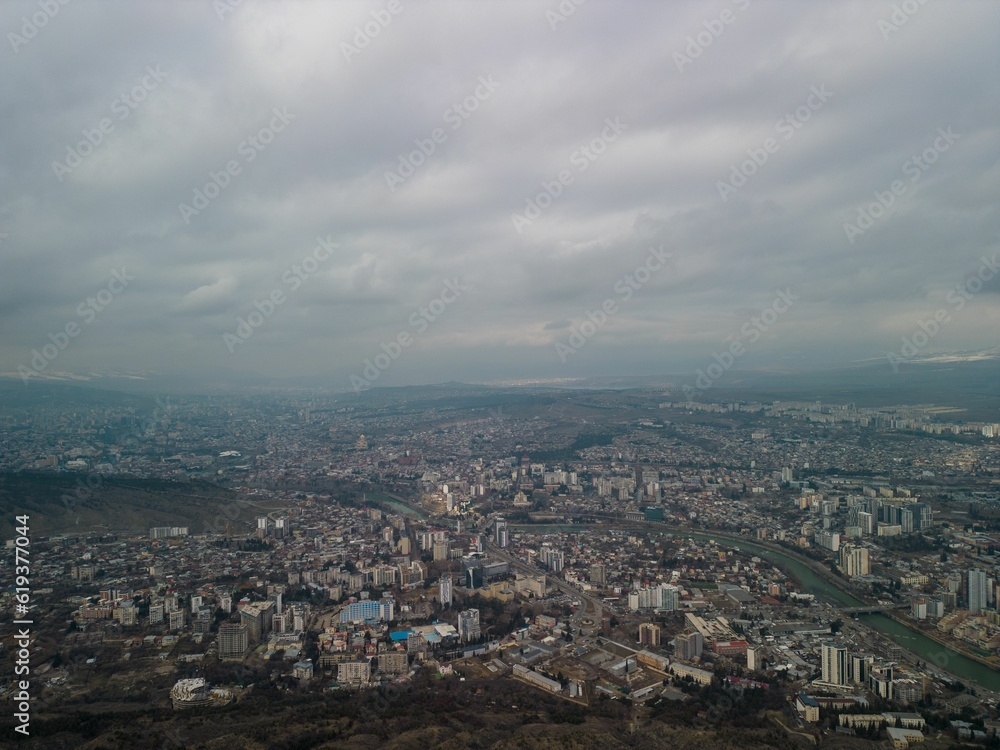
<point x="979" y="591"/>
<point x="834" y="664"/>
<point x="444" y="591"/>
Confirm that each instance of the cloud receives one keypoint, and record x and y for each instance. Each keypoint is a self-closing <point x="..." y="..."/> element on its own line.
<point x="324" y="175"/>
<point x="210" y="298"/>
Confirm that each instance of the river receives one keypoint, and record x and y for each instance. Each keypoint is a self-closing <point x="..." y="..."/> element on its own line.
<point x="912" y="640"/>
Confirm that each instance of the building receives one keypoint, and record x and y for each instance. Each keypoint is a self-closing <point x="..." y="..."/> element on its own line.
<point x="880" y="680"/>
<point x="393" y="662"/>
<point x="701" y="676"/>
<point x="444" y="591"/>
<point x="166" y="532"/>
<point x="598" y="574"/>
<point x="828" y="540"/>
<point x="468" y="625"/>
<point x="730" y="648"/>
<point x="689" y="646"/>
<point x="83" y="573"/>
<point x="189" y="693"/>
<point x="127" y="613"/>
<point x="649" y="634"/>
<point x="854" y="561"/>
<point x="302" y="670"/>
<point x="357" y="672"/>
<point x="530" y="585"/>
<point x="902" y="738"/>
<point x="807" y="707"/>
<point x="858" y="667"/>
<point x="501" y="534"/>
<point x="369" y="610"/>
<point x="978" y="591"/>
<point x="257" y="617"/>
<point x="234" y="640"/>
<point x="552" y="559"/>
<point x="755" y="655"/>
<point x="536" y="679"/>
<point x="834" y="664"/>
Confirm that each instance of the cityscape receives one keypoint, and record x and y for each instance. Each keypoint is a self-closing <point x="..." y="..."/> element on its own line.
<point x="589" y="545"/>
<point x="521" y="375"/>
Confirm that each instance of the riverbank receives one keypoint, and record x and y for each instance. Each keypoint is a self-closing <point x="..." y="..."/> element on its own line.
<point x="815" y="579"/>
<point x="950" y="644"/>
<point x="831" y="578"/>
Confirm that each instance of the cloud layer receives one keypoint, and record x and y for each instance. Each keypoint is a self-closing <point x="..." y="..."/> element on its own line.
<point x="533" y="152"/>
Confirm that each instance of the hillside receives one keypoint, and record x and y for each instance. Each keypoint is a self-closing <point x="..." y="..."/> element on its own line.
<point x="62" y="503"/>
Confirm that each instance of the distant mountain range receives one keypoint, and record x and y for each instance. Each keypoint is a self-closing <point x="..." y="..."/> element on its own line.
<point x="971" y="376"/>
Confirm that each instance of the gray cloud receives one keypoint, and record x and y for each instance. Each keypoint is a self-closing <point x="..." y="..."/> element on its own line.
<point x="656" y="184"/>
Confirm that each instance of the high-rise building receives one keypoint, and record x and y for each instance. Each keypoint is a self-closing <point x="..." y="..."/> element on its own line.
<point x="501" y="533"/>
<point x="552" y="559"/>
<point x="155" y="614"/>
<point x="923" y="516"/>
<point x="468" y="625"/>
<point x="263" y="525"/>
<point x="979" y="591"/>
<point x="689" y="646"/>
<point x="854" y="561"/>
<point x="649" y="634"/>
<point x="669" y="598"/>
<point x="834" y="664"/>
<point x="858" y="666"/>
<point x="440" y="551"/>
<point x="828" y="540"/>
<point x="444" y="591"/>
<point x="234" y="639"/>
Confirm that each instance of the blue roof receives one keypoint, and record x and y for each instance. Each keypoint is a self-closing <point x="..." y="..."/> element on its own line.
<point x="399" y="635"/>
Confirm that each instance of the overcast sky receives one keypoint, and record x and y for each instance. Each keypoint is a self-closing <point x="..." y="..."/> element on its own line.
<point x="635" y="115"/>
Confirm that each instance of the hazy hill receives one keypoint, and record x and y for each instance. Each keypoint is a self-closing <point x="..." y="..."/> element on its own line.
<point x="64" y="503"/>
